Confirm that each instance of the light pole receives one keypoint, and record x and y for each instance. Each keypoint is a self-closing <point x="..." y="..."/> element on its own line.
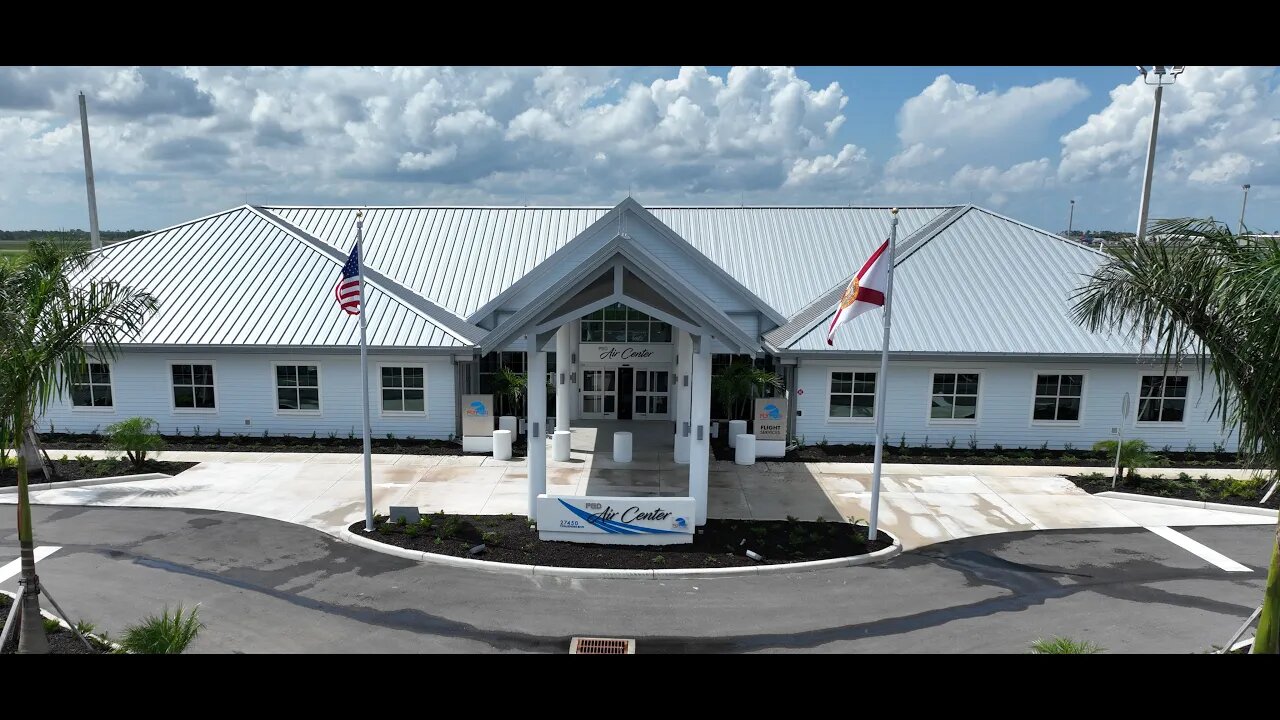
<point x="1071" y="218"/>
<point x="1243" y="202"/>
<point x="1164" y="75"/>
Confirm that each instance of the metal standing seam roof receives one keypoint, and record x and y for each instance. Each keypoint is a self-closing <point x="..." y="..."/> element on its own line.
<point x="235" y="278"/>
<point x="462" y="257"/>
<point x="982" y="284"/>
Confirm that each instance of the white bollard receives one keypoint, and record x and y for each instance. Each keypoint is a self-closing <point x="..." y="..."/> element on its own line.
<point x="560" y="445"/>
<point x="622" y="447"/>
<point x="736" y="428"/>
<point x="745" y="450"/>
<point x="501" y="444"/>
<point x="508" y="422"/>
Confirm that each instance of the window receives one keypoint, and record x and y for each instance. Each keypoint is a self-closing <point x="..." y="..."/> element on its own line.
<point x="621" y="324"/>
<point x="91" y="386"/>
<point x="853" y="395"/>
<point x="1058" y="398"/>
<point x="193" y="387"/>
<point x="403" y="389"/>
<point x="1162" y="398"/>
<point x="298" y="388"/>
<point x="955" y="396"/>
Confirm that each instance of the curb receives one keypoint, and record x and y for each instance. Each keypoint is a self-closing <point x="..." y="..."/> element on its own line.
<point x="500" y="568"/>
<point x="63" y="623"/>
<point x="36" y="487"/>
<point x="1268" y="512"/>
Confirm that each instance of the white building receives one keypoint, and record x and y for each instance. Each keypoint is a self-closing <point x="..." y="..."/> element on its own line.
<point x="636" y="306"/>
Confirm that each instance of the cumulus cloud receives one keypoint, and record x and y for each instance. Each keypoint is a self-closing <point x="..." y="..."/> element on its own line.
<point x="1217" y="126"/>
<point x="418" y="134"/>
<point x="850" y="163"/>
<point x="950" y="124"/>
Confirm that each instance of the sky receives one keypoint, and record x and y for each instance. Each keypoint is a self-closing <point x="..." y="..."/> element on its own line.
<point x="172" y="144"/>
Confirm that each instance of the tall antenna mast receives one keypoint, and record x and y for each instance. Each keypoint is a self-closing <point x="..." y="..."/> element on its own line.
<point x="95" y="241"/>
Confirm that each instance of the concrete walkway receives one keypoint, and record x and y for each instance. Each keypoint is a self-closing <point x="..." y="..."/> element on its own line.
<point x="920" y="504"/>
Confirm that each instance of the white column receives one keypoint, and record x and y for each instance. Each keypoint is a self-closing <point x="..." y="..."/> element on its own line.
<point x="575" y="350"/>
<point x="564" y="400"/>
<point x="700" y="437"/>
<point x="536" y="397"/>
<point x="684" y="375"/>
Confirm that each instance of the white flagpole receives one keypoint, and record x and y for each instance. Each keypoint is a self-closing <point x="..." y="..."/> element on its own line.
<point x="882" y="382"/>
<point x="364" y="378"/>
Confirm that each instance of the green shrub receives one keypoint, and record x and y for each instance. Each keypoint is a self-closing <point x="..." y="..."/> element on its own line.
<point x="1064" y="646"/>
<point x="491" y="537"/>
<point x="51" y="626"/>
<point x="163" y="635"/>
<point x="1133" y="454"/>
<point x="136" y="437"/>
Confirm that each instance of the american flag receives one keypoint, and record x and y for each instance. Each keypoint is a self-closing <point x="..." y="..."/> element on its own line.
<point x="347" y="291"/>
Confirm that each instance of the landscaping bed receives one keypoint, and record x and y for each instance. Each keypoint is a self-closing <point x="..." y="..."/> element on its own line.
<point x="720" y="543"/>
<point x="61" y="640"/>
<point x="266" y="442"/>
<point x="1231" y="491"/>
<point x="959" y="454"/>
<point x="86" y="468"/>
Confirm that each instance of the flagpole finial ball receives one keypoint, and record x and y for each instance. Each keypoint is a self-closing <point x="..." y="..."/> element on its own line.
<point x="894" y="211"/>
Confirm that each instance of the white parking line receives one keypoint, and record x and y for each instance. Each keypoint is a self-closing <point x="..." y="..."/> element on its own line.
<point x="1202" y="551"/>
<point x="12" y="568"/>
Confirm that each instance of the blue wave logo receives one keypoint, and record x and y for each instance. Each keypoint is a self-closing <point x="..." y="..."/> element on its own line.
<point x="477" y="408"/>
<point x="680" y="522"/>
<point x="771" y="411"/>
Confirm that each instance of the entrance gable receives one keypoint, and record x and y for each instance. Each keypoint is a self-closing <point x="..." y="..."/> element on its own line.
<point x="629" y="219"/>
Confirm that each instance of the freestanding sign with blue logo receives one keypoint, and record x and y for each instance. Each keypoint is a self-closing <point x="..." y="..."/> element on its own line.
<point x="477" y="415"/>
<point x="616" y="520"/>
<point x="771" y="419"/>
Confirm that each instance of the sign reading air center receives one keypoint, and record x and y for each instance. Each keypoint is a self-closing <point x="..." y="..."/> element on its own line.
<point x="477" y="415"/>
<point x="616" y="520"/>
<point x="614" y="354"/>
<point x="771" y="419"/>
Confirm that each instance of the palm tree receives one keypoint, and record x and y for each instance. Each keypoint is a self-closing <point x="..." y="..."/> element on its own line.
<point x="53" y="325"/>
<point x="738" y="384"/>
<point x="1197" y="292"/>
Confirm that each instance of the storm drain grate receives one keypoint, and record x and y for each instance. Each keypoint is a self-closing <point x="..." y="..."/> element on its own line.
<point x="602" y="646"/>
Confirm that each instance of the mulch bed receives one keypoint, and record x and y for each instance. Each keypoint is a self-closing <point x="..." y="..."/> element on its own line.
<point x="270" y="443"/>
<point x="89" y="469"/>
<point x="960" y="455"/>
<point x="508" y="539"/>
<point x="1230" y="491"/>
<point x="61" y="641"/>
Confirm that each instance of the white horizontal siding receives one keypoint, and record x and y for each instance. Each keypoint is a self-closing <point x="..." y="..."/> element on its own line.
<point x="245" y="389"/>
<point x="1004" y="408"/>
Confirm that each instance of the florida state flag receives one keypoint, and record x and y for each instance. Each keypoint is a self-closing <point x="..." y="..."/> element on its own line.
<point x="865" y="291"/>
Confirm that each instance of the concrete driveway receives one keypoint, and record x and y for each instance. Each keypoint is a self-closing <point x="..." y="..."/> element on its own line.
<point x="920" y="504"/>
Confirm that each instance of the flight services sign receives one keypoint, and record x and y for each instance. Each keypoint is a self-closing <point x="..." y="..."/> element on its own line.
<point x="771" y="419"/>
<point x="616" y="520"/>
<point x="477" y="415"/>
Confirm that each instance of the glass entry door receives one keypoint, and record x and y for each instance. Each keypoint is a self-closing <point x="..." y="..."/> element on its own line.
<point x="650" y="395"/>
<point x="600" y="394"/>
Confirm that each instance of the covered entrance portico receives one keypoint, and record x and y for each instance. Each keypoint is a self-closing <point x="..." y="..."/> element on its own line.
<point x="622" y="271"/>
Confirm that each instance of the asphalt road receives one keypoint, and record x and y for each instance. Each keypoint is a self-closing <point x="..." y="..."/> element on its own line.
<point x="269" y="586"/>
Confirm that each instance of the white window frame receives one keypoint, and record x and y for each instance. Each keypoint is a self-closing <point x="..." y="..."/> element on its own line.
<point x="1137" y="405"/>
<point x="1084" y="391"/>
<point x="112" y="384"/>
<point x="977" y="412"/>
<point x="425" y="383"/>
<point x="852" y="420"/>
<point x="275" y="387"/>
<point x="217" y="392"/>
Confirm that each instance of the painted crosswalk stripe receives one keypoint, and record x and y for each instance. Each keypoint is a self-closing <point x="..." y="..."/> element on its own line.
<point x="14" y="567"/>
<point x="1202" y="551"/>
